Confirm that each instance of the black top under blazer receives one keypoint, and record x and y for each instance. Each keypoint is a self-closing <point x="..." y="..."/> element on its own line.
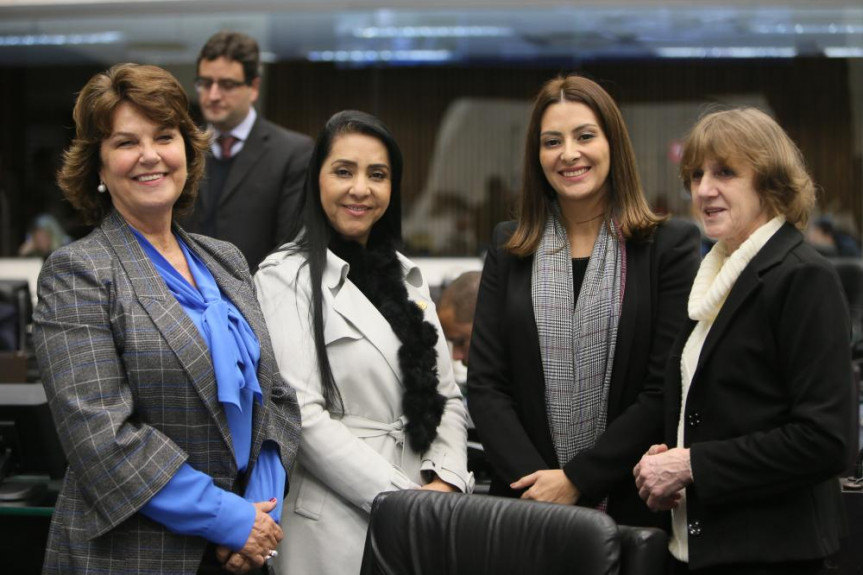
<point x="132" y="390"/>
<point x="769" y="412"/>
<point x="263" y="193"/>
<point x="506" y="386"/>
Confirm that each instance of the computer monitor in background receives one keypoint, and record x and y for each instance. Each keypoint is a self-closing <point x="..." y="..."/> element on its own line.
<point x="16" y="314"/>
<point x="22" y="268"/>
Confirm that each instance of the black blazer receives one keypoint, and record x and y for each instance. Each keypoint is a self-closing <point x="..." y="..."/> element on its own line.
<point x="263" y="193"/>
<point x="769" y="412"/>
<point x="506" y="386"/>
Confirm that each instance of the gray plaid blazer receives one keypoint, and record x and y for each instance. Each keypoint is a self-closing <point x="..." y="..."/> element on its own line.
<point x="133" y="393"/>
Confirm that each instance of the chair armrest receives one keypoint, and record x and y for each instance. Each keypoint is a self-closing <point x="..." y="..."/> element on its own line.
<point x="644" y="550"/>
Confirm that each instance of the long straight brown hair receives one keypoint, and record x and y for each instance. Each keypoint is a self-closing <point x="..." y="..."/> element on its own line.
<point x="626" y="203"/>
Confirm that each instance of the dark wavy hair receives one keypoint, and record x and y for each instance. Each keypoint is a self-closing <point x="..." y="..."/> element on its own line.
<point x="313" y="233"/>
<point x="157" y="95"/>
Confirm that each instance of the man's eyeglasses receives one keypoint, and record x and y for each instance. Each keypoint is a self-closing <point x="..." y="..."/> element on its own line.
<point x="203" y="84"/>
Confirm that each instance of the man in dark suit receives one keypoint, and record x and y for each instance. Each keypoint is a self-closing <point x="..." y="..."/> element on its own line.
<point x="253" y="184"/>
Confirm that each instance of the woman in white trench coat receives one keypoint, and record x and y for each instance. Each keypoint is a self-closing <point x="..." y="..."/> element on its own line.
<point x="356" y="334"/>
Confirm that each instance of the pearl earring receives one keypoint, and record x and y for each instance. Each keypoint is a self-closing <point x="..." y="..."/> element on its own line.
<point x="101" y="188"/>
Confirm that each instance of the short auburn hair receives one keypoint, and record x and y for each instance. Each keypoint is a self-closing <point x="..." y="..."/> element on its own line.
<point x="159" y="97"/>
<point x="751" y="136"/>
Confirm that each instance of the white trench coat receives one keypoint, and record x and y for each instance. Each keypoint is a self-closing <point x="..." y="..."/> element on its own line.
<point x="343" y="463"/>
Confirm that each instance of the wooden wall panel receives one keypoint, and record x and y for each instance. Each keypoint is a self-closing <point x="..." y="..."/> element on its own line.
<point x="809" y="96"/>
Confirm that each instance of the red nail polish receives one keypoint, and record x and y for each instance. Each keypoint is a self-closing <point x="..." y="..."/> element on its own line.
<point x="273" y="500"/>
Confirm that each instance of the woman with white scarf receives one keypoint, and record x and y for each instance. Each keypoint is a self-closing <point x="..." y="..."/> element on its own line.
<point x="579" y="303"/>
<point x="759" y="401"/>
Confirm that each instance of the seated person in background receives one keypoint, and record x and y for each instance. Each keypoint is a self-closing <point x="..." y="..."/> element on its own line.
<point x="356" y="334"/>
<point x="830" y="241"/>
<point x="579" y="303"/>
<point x="763" y="369"/>
<point x="455" y="312"/>
<point x="178" y="429"/>
<point x="45" y="235"/>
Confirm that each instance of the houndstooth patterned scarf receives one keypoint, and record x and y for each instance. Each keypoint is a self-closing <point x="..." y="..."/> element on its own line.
<point x="577" y="341"/>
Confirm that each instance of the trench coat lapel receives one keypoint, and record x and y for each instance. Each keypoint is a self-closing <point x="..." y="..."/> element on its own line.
<point x="417" y="291"/>
<point x="354" y="308"/>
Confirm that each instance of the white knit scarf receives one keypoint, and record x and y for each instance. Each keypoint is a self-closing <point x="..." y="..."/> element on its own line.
<point x="719" y="271"/>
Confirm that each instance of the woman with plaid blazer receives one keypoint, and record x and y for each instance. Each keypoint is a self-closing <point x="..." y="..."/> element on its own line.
<point x="178" y="428"/>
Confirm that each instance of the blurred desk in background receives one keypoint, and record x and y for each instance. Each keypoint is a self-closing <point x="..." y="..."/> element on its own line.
<point x="13" y="366"/>
<point x="24" y="524"/>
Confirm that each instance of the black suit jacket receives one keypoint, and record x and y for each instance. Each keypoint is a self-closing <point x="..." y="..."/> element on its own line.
<point x="769" y="412"/>
<point x="506" y="386"/>
<point x="263" y="192"/>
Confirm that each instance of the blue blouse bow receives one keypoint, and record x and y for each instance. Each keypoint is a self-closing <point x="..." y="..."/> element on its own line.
<point x="190" y="503"/>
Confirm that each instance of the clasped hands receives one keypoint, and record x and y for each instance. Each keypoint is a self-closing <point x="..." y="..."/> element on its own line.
<point x="263" y="540"/>
<point x="661" y="474"/>
<point x="266" y="534"/>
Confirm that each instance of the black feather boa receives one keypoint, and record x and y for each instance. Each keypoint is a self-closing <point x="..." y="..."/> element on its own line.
<point x="377" y="272"/>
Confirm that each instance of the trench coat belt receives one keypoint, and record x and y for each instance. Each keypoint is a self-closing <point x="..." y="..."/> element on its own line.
<point x="364" y="428"/>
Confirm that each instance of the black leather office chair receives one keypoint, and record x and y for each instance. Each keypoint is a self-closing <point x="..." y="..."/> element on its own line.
<point x="418" y="532"/>
<point x="644" y="550"/>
